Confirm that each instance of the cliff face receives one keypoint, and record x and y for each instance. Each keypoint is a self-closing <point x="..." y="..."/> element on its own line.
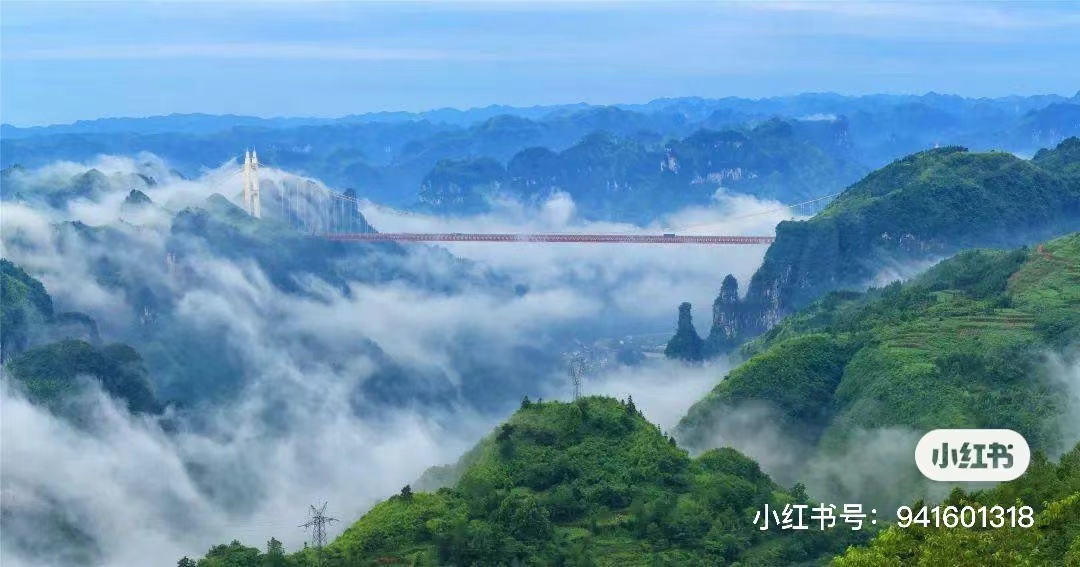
<point x="728" y="319"/>
<point x="806" y="260"/>
<point x="919" y="208"/>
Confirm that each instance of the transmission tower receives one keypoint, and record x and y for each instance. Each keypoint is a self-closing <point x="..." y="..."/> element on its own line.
<point x="577" y="369"/>
<point x="317" y="524"/>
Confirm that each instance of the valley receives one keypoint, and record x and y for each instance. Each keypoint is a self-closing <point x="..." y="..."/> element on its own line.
<point x="534" y="284"/>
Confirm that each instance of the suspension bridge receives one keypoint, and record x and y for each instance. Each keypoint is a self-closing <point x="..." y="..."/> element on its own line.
<point x="311" y="208"/>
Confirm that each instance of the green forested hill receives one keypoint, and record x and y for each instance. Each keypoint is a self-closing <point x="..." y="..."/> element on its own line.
<point x="27" y="317"/>
<point x="962" y="346"/>
<point x="926" y="204"/>
<point x="584" y="483"/>
<point x="49" y="372"/>
<point x="24" y="305"/>
<point x="918" y="208"/>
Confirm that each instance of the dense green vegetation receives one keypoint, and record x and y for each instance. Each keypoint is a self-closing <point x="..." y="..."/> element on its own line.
<point x="27" y="317"/>
<point x="1053" y="491"/>
<point x="24" y="305"/>
<point x="584" y="483"/>
<point x="50" y="373"/>
<point x="960" y="346"/>
<point x="918" y="208"/>
<point x="924" y="205"/>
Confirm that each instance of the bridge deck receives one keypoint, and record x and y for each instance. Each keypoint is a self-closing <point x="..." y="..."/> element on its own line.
<point x="560" y="238"/>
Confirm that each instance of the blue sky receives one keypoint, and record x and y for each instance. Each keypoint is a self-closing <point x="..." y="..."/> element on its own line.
<point x="61" y="62"/>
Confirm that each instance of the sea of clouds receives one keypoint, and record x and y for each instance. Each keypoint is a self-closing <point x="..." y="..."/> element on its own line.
<point x="146" y="495"/>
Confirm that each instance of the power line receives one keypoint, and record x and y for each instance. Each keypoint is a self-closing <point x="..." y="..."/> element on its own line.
<point x="792" y="206"/>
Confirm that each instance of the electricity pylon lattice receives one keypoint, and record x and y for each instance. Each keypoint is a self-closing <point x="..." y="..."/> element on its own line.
<point x="577" y="368"/>
<point x="317" y="524"/>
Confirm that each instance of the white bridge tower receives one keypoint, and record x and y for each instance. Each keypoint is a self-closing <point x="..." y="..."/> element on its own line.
<point x="252" y="203"/>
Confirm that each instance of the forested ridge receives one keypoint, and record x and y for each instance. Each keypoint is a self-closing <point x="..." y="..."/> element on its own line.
<point x="915" y="210"/>
<point x="978" y="322"/>
<point x="589" y="482"/>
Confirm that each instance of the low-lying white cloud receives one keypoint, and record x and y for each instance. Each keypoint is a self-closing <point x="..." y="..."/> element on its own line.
<point x="662" y="389"/>
<point x="1063" y="370"/>
<point x="249" y="468"/>
<point x="131" y="487"/>
<point x="641" y="281"/>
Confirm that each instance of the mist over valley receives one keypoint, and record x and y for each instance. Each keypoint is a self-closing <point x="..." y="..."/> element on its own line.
<point x="234" y="336"/>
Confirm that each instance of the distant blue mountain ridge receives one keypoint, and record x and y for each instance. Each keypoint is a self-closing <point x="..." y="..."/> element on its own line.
<point x="616" y="161"/>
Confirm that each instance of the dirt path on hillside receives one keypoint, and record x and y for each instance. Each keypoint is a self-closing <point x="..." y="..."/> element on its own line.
<point x="1041" y="251"/>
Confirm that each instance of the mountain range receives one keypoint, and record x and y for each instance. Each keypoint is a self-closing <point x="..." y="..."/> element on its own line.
<point x="836" y="368"/>
<point x="444" y="158"/>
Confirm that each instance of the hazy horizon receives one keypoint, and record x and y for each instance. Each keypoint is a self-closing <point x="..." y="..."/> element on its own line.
<point x="288" y="59"/>
<point x="419" y="111"/>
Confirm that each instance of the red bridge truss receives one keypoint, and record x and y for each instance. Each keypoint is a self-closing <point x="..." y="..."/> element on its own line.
<point x="560" y="238"/>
